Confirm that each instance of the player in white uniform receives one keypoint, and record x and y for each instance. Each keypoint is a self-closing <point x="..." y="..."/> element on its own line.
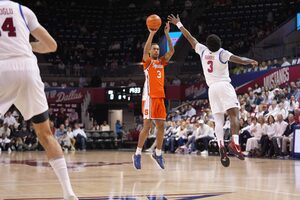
<point x="21" y="83"/>
<point x="221" y="94"/>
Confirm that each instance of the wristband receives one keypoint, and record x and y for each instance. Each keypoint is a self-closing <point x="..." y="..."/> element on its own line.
<point x="179" y="25"/>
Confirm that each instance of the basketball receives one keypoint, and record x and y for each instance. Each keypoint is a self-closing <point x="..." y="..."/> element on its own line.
<point x="153" y="22"/>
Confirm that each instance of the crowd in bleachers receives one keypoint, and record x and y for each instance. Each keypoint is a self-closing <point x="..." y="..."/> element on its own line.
<point x="268" y="117"/>
<point x="110" y="37"/>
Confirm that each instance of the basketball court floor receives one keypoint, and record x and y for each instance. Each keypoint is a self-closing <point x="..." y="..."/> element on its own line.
<point x="109" y="175"/>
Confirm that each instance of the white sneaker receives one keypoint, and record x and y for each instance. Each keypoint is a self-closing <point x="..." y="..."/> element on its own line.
<point x="205" y="153"/>
<point x="9" y="150"/>
<point x="0" y="150"/>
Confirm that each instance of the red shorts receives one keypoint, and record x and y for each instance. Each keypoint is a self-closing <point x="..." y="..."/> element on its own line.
<point x="154" y="108"/>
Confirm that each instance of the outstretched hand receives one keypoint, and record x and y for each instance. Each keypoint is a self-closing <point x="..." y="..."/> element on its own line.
<point x="254" y="63"/>
<point x="174" y="20"/>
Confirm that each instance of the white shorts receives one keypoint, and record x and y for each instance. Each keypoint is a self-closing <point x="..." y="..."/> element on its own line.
<point x="222" y="97"/>
<point x="22" y="86"/>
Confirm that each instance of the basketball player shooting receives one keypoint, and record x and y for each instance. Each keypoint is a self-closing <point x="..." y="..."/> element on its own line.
<point x="21" y="83"/>
<point x="153" y="106"/>
<point x="221" y="94"/>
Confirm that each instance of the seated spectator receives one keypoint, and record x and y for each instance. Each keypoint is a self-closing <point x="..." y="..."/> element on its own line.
<point x="288" y="135"/>
<point x="30" y="141"/>
<point x="10" y="120"/>
<point x="205" y="134"/>
<point x="80" y="137"/>
<point x="71" y="136"/>
<point x="65" y="142"/>
<point x="256" y="130"/>
<point x="275" y="63"/>
<point x="4" y="137"/>
<point x="190" y="112"/>
<point x="105" y="127"/>
<point x="266" y="139"/>
<point x="169" y="133"/>
<point x="291" y="104"/>
<point x="60" y="132"/>
<point x="73" y="116"/>
<point x="285" y="62"/>
<point x="280" y="127"/>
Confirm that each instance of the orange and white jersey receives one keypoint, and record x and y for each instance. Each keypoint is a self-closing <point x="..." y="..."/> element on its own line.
<point x="154" y="78"/>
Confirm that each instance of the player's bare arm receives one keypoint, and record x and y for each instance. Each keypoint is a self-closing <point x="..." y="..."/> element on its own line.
<point x="45" y="42"/>
<point x="171" y="51"/>
<point x="147" y="47"/>
<point x="174" y="20"/>
<point x="242" y="60"/>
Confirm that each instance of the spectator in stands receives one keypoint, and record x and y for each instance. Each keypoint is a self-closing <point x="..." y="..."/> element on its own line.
<point x="80" y="137"/>
<point x="60" y="132"/>
<point x="265" y="140"/>
<point x="285" y="62"/>
<point x="30" y="141"/>
<point x="292" y="104"/>
<point x="180" y="137"/>
<point x="105" y="126"/>
<point x="245" y="126"/>
<point x="61" y="116"/>
<point x="190" y="111"/>
<point x="65" y="142"/>
<point x="256" y="130"/>
<point x="288" y="135"/>
<point x="119" y="130"/>
<point x="73" y="116"/>
<point x="169" y="133"/>
<point x="4" y="137"/>
<point x="263" y="66"/>
<point x="275" y="63"/>
<point x="176" y="116"/>
<point x="279" y="131"/>
<point x="176" y="81"/>
<point x="71" y="136"/>
<point x="205" y="134"/>
<point x="10" y="120"/>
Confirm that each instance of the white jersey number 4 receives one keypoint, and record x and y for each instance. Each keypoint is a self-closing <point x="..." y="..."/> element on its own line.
<point x="8" y="26"/>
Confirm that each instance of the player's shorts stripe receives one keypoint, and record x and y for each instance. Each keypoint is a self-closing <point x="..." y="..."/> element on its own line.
<point x="21" y="12"/>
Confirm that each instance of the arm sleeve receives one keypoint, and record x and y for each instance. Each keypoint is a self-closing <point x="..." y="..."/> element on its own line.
<point x="31" y="19"/>
<point x="225" y="56"/>
<point x="200" y="48"/>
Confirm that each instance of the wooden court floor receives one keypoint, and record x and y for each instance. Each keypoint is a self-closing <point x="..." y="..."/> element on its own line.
<point x="109" y="175"/>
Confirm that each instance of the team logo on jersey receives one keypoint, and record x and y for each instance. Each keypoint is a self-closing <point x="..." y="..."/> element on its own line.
<point x="209" y="57"/>
<point x="191" y="196"/>
<point x="158" y="66"/>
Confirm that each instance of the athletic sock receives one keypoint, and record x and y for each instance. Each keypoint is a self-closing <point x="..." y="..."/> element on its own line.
<point x="60" y="168"/>
<point x="235" y="139"/>
<point x="158" y="152"/>
<point x="138" y="151"/>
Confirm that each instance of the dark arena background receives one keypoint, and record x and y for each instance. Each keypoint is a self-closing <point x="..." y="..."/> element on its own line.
<point x="94" y="83"/>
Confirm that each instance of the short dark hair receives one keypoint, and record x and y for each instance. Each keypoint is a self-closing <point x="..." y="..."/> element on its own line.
<point x="154" y="44"/>
<point x="213" y="42"/>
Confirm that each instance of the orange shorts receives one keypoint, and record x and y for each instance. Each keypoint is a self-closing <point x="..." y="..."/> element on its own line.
<point x="154" y="108"/>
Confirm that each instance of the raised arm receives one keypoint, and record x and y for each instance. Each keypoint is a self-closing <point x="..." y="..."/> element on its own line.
<point x="147" y="46"/>
<point x="171" y="51"/>
<point x="242" y="60"/>
<point x="176" y="21"/>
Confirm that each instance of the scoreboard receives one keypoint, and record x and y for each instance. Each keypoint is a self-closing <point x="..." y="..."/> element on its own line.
<point x="124" y="94"/>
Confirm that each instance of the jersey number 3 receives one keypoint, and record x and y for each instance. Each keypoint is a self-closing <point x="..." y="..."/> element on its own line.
<point x="210" y="69"/>
<point x="8" y="26"/>
<point x="158" y="74"/>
